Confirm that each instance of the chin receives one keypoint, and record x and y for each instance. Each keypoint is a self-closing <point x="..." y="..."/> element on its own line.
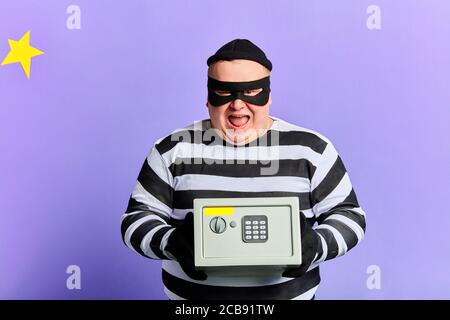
<point x="241" y="136"/>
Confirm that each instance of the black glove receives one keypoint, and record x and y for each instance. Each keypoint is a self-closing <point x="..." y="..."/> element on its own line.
<point x="309" y="240"/>
<point x="181" y="245"/>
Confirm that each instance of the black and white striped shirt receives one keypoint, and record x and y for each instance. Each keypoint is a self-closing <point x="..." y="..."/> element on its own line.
<point x="186" y="165"/>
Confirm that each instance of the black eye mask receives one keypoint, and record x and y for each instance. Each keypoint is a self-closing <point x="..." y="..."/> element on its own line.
<point x="237" y="91"/>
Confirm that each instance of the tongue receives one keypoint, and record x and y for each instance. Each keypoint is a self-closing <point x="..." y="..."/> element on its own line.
<point x="239" y="121"/>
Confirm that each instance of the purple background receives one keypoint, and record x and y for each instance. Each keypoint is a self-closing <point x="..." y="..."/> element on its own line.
<point x="74" y="136"/>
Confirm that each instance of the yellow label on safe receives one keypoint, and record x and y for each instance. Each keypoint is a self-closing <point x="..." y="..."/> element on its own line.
<point x="218" y="211"/>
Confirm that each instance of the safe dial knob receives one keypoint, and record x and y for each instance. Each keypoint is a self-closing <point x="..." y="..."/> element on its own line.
<point x="218" y="224"/>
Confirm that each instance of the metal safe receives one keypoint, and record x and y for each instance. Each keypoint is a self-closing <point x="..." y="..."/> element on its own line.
<point x="247" y="232"/>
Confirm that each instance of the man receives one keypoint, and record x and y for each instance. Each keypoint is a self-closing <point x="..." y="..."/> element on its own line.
<point x="188" y="164"/>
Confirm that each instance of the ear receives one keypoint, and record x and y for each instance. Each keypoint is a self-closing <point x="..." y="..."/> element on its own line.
<point x="270" y="98"/>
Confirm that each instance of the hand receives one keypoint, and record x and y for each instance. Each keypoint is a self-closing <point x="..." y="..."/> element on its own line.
<point x="309" y="241"/>
<point x="181" y="245"/>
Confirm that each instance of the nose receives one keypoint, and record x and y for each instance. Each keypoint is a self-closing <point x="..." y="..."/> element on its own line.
<point x="237" y="104"/>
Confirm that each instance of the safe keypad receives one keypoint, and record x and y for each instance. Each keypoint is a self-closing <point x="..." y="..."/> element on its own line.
<point x="254" y="229"/>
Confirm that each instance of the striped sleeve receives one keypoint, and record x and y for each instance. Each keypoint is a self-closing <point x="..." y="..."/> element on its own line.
<point x="145" y="224"/>
<point x="341" y="221"/>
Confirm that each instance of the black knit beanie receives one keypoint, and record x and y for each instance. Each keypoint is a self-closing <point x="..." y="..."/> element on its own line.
<point x="240" y="49"/>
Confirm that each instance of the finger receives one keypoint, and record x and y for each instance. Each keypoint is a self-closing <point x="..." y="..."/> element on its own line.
<point x="302" y="217"/>
<point x="295" y="272"/>
<point x="192" y="273"/>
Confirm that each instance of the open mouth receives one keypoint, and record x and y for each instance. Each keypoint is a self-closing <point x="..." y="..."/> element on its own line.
<point x="238" y="121"/>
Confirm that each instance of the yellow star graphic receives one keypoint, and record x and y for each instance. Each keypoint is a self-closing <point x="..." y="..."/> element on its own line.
<point x="22" y="52"/>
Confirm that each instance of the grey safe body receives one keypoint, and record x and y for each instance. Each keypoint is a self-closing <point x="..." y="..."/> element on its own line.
<point x="247" y="232"/>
